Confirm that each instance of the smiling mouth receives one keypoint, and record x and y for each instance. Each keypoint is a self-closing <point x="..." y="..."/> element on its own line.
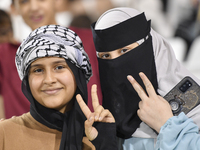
<point x="36" y="18"/>
<point x="52" y="91"/>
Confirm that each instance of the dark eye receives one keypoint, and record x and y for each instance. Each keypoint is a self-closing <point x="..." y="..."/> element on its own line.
<point x="38" y="70"/>
<point x="105" y="56"/>
<point x="124" y="50"/>
<point x="59" y="67"/>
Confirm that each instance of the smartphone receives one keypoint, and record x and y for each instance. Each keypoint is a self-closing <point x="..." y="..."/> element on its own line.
<point x="184" y="96"/>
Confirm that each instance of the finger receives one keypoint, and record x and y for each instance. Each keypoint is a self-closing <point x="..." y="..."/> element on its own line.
<point x="149" y="87"/>
<point x="106" y="116"/>
<point x="83" y="106"/>
<point x="139" y="114"/>
<point x="90" y="131"/>
<point x="95" y="100"/>
<point x="99" y="109"/>
<point x="137" y="87"/>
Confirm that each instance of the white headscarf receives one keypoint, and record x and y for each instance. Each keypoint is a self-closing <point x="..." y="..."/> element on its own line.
<point x="169" y="70"/>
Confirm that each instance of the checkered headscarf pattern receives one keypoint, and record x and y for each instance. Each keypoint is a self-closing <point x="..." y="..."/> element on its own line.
<point x="52" y="40"/>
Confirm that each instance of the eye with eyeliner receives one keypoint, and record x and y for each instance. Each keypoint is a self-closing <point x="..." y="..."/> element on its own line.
<point x="124" y="50"/>
<point x="104" y="55"/>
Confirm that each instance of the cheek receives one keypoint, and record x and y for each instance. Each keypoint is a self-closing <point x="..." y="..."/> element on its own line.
<point x="47" y="10"/>
<point x="23" y="11"/>
<point x="68" y="80"/>
<point x="34" y="84"/>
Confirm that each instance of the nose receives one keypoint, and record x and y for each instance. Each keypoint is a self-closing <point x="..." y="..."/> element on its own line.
<point x="114" y="54"/>
<point x="49" y="78"/>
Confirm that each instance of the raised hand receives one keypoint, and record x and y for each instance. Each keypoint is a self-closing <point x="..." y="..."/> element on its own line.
<point x="99" y="115"/>
<point x="154" y="110"/>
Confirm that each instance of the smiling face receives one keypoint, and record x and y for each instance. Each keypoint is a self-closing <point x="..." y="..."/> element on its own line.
<point x="116" y="53"/>
<point x="52" y="83"/>
<point x="36" y="13"/>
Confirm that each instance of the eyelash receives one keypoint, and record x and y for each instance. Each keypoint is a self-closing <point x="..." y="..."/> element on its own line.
<point x="58" y="67"/>
<point x="36" y="70"/>
<point x="104" y="56"/>
<point x="124" y="50"/>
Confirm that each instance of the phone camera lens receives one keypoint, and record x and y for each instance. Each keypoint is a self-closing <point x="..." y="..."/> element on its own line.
<point x="184" y="87"/>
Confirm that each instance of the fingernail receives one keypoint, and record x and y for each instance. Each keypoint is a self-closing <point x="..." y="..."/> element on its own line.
<point x="130" y="78"/>
<point x="100" y="118"/>
<point x="141" y="74"/>
<point x="96" y="118"/>
<point x="91" y="118"/>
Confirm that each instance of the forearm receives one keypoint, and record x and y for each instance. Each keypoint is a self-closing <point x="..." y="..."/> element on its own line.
<point x="179" y="132"/>
<point x="2" y="114"/>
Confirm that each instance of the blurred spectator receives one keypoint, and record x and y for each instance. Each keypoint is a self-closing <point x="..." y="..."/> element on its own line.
<point x="6" y="36"/>
<point x="6" y="30"/>
<point x="186" y="24"/>
<point x="63" y="12"/>
<point x="81" y="21"/>
<point x="35" y="14"/>
<point x="89" y="9"/>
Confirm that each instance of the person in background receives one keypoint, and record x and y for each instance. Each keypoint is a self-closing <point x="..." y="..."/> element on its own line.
<point x="127" y="45"/>
<point x="6" y="30"/>
<point x="35" y="14"/>
<point x="6" y="35"/>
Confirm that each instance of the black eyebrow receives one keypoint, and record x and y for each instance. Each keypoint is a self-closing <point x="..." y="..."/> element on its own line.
<point x="55" y="62"/>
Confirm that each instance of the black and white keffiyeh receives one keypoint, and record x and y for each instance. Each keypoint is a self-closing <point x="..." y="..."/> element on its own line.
<point x="52" y="40"/>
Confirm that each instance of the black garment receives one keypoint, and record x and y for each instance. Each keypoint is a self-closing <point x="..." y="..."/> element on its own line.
<point x="122" y="34"/>
<point x="71" y="123"/>
<point x="118" y="94"/>
<point x="106" y="139"/>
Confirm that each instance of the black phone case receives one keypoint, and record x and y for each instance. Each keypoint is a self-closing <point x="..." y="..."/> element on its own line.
<point x="184" y="96"/>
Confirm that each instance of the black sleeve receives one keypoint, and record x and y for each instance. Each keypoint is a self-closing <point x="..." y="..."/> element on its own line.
<point x="106" y="139"/>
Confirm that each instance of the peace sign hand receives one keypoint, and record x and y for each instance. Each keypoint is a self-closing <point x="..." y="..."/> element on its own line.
<point x="99" y="115"/>
<point x="154" y="110"/>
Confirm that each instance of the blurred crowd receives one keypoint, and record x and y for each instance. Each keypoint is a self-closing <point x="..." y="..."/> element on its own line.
<point x="176" y="20"/>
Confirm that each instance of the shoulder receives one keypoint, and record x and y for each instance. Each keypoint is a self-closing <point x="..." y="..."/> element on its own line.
<point x="15" y="121"/>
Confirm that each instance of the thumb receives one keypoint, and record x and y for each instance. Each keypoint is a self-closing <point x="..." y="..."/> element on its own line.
<point x="90" y="131"/>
